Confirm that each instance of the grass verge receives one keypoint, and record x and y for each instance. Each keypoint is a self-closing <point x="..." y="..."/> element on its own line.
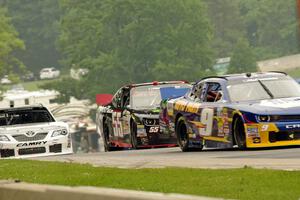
<point x="295" y="73"/>
<point x="246" y="183"/>
<point x="35" y="85"/>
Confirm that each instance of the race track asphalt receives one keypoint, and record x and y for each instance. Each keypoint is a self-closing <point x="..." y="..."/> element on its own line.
<point x="287" y="158"/>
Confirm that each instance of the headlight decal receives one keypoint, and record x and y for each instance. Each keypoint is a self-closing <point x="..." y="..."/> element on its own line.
<point x="263" y="118"/>
<point x="136" y="119"/>
<point x="4" y="138"/>
<point x="59" y="132"/>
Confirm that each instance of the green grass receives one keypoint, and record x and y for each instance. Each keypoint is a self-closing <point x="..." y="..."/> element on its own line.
<point x="295" y="73"/>
<point x="30" y="85"/>
<point x="34" y="85"/>
<point x="244" y="183"/>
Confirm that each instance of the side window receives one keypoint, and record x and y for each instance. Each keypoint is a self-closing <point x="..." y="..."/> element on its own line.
<point x="125" y="98"/>
<point x="116" y="102"/>
<point x="197" y="92"/>
<point x="213" y="92"/>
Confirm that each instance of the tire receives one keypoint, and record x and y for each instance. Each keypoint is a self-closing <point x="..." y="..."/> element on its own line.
<point x="182" y="135"/>
<point x="239" y="133"/>
<point x="133" y="135"/>
<point x="106" y="130"/>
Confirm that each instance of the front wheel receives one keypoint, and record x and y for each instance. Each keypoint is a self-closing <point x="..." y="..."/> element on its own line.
<point x="239" y="133"/>
<point x="106" y="132"/>
<point x="133" y="135"/>
<point x="182" y="134"/>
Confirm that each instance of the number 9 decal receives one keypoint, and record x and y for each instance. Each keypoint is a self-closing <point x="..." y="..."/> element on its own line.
<point x="207" y="115"/>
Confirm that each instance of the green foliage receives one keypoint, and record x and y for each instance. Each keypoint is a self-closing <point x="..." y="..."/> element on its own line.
<point x="295" y="73"/>
<point x="9" y="43"/>
<point x="136" y="41"/>
<point x="228" y="27"/>
<point x="271" y="27"/>
<point x="245" y="183"/>
<point x="37" y="23"/>
<point x="243" y="59"/>
<point x="125" y="41"/>
<point x="67" y="87"/>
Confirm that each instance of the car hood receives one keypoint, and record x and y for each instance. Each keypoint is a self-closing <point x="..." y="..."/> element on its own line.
<point x="37" y="127"/>
<point x="148" y="116"/>
<point x="286" y="106"/>
<point x="154" y="111"/>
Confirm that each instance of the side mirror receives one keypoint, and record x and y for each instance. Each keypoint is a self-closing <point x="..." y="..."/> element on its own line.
<point x="104" y="99"/>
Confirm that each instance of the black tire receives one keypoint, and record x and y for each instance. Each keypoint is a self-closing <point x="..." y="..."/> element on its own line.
<point x="182" y="135"/>
<point x="133" y="135"/>
<point x="239" y="133"/>
<point x="106" y="132"/>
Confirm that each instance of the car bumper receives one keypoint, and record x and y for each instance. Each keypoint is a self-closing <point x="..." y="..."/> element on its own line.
<point x="53" y="146"/>
<point x="270" y="135"/>
<point x="149" y="139"/>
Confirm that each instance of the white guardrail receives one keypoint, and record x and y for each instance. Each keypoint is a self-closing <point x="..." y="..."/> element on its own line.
<point x="12" y="190"/>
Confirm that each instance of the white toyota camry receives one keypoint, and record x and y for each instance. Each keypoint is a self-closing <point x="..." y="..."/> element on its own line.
<point x="32" y="131"/>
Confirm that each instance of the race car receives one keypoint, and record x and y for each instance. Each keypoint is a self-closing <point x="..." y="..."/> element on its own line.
<point x="248" y="110"/>
<point x="130" y="118"/>
<point x="32" y="131"/>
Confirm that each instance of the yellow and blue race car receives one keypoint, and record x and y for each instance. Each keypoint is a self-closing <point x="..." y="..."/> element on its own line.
<point x="248" y="110"/>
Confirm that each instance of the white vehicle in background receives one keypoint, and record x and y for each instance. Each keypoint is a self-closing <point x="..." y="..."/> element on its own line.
<point x="5" y="80"/>
<point x="32" y="131"/>
<point x="17" y="97"/>
<point x="49" y="73"/>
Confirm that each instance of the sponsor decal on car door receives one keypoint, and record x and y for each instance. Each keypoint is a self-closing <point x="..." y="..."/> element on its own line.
<point x="117" y="124"/>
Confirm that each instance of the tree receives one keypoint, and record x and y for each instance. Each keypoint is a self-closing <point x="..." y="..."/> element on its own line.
<point x="271" y="27"/>
<point x="243" y="58"/>
<point x="9" y="43"/>
<point x="67" y="88"/>
<point x="136" y="41"/>
<point x="227" y="25"/>
<point x="37" y="23"/>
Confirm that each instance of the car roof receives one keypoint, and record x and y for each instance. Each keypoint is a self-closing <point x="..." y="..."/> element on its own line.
<point x="22" y="107"/>
<point x="155" y="83"/>
<point x="48" y="68"/>
<point x="244" y="76"/>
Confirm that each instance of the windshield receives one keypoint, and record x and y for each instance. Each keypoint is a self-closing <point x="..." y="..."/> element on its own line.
<point x="263" y="89"/>
<point x="24" y="116"/>
<point x="147" y="97"/>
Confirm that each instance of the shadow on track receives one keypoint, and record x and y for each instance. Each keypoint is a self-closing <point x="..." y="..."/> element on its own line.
<point x="235" y="149"/>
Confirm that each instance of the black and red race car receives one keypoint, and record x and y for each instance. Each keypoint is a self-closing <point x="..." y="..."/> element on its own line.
<point x="130" y="118"/>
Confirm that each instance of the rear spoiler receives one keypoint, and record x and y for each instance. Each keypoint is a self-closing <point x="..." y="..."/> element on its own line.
<point x="103" y="99"/>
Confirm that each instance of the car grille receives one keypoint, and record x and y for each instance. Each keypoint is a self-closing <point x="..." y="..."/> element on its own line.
<point x="284" y="136"/>
<point x="25" y="138"/>
<point x="56" y="148"/>
<point x="7" y="152"/>
<point x="151" y="122"/>
<point x="34" y="150"/>
<point x="275" y="118"/>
